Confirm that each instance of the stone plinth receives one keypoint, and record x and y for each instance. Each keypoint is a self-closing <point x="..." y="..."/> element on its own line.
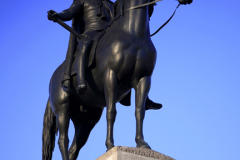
<point x="129" y="153"/>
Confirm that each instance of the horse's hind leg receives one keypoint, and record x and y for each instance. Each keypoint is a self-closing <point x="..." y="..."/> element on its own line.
<point x="61" y="103"/>
<point x="110" y="87"/>
<point x="141" y="89"/>
<point x="83" y="127"/>
<point x="61" y="106"/>
<point x="63" y="119"/>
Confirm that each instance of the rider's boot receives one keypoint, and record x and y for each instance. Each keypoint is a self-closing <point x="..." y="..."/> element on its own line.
<point x="149" y="104"/>
<point x="85" y="45"/>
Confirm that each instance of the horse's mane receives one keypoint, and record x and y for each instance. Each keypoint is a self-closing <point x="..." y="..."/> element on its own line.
<point x="119" y="5"/>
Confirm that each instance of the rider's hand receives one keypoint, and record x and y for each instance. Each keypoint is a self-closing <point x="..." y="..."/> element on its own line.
<point x="52" y="15"/>
<point x="185" y="1"/>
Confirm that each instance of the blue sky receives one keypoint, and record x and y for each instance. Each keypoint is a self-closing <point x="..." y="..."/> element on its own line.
<point x="196" y="78"/>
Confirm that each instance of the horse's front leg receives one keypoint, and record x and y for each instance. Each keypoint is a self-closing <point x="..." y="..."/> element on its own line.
<point x="110" y="89"/>
<point x="141" y="89"/>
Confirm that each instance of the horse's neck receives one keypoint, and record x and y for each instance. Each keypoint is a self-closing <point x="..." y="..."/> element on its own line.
<point x="136" y="21"/>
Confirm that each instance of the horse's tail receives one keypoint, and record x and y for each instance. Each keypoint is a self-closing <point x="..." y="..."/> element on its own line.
<point x="48" y="134"/>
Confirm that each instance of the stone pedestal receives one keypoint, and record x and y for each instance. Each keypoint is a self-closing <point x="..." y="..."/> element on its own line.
<point x="129" y="153"/>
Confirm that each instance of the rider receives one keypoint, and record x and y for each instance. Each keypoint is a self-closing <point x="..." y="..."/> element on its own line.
<point x="95" y="14"/>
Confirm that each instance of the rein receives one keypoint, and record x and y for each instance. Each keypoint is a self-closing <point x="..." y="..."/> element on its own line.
<point x="142" y="5"/>
<point x="165" y="22"/>
<point x="146" y="4"/>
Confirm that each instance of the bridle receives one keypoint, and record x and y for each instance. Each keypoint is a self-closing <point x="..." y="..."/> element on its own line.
<point x="146" y="4"/>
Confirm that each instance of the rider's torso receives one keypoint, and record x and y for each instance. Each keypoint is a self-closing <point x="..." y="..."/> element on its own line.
<point x="95" y="15"/>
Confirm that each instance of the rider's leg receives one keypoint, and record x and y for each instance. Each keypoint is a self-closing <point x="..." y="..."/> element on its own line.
<point x="85" y="45"/>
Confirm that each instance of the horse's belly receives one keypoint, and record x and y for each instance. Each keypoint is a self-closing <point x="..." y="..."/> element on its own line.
<point x="95" y="101"/>
<point x="94" y="96"/>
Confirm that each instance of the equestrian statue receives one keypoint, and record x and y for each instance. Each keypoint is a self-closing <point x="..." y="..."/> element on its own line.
<point x="110" y="52"/>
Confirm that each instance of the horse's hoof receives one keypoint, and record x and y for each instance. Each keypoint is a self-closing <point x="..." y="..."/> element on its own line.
<point x="143" y="144"/>
<point x="109" y="147"/>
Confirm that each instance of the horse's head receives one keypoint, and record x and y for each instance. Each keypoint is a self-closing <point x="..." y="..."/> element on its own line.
<point x="185" y="1"/>
<point x="118" y="8"/>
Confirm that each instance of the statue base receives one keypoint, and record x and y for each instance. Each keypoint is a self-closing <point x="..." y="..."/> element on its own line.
<point x="129" y="153"/>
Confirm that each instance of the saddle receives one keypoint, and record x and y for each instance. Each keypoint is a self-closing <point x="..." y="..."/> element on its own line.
<point x="91" y="57"/>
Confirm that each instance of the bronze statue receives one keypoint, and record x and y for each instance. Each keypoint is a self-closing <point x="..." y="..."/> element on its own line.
<point x="90" y="22"/>
<point x="123" y="57"/>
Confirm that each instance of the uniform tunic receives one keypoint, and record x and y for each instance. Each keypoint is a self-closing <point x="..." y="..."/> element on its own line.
<point x="95" y="15"/>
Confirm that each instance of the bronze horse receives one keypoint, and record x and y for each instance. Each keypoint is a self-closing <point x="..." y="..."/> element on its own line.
<point x="125" y="59"/>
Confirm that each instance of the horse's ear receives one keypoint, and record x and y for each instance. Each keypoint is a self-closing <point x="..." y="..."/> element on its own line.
<point x="118" y="8"/>
<point x="151" y="9"/>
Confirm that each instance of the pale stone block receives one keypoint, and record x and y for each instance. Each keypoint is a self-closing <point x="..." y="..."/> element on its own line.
<point x="129" y="153"/>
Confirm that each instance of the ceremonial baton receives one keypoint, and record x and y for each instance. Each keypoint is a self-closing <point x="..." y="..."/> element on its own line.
<point x="64" y="25"/>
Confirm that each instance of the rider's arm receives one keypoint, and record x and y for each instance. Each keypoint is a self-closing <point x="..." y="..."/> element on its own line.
<point x="69" y="13"/>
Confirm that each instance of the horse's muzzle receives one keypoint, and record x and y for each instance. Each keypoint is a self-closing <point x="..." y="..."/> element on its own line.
<point x="185" y="1"/>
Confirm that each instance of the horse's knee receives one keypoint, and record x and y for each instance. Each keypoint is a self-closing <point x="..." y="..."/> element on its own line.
<point x="63" y="143"/>
<point x="72" y="149"/>
<point x="140" y="114"/>
<point x="111" y="114"/>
